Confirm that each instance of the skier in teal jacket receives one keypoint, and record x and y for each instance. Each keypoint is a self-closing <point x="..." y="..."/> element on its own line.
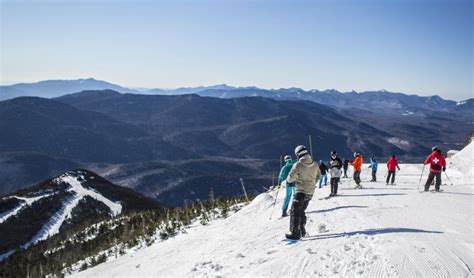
<point x="290" y="188"/>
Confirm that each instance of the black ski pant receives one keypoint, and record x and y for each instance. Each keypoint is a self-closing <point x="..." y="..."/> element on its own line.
<point x="334" y="184"/>
<point x="391" y="174"/>
<point x="431" y="177"/>
<point x="374" y="175"/>
<point x="345" y="171"/>
<point x="298" y="216"/>
<point x="357" y="177"/>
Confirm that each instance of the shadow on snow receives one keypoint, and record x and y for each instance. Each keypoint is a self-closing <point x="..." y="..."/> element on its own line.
<point x="371" y="232"/>
<point x="334" y="208"/>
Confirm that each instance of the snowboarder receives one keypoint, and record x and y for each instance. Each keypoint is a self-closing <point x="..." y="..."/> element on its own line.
<point x="290" y="187"/>
<point x="392" y="165"/>
<point x="304" y="173"/>
<point x="374" y="165"/>
<point x="335" y="165"/>
<point x="324" y="178"/>
<point x="346" y="165"/>
<point x="357" y="164"/>
<point x="437" y="165"/>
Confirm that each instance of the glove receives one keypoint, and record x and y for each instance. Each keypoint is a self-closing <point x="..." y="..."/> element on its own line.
<point x="444" y="169"/>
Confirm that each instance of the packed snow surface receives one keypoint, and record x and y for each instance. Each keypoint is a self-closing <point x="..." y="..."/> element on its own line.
<point x="378" y="231"/>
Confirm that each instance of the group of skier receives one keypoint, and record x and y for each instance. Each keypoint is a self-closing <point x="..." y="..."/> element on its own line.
<point x="300" y="179"/>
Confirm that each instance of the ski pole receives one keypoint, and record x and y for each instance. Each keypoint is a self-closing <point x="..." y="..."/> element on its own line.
<point x="448" y="178"/>
<point x="421" y="176"/>
<point x="274" y="203"/>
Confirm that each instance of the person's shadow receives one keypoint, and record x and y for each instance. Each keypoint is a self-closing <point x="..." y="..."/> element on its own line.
<point x="371" y="232"/>
<point x="334" y="208"/>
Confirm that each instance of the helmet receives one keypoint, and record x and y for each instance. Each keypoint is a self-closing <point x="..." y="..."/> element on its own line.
<point x="333" y="153"/>
<point x="321" y="162"/>
<point x="355" y="154"/>
<point x="300" y="151"/>
<point x="435" y="148"/>
<point x="287" y="157"/>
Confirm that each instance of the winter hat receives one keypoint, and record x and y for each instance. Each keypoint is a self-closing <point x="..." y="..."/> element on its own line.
<point x="287" y="158"/>
<point x="300" y="151"/>
<point x="355" y="154"/>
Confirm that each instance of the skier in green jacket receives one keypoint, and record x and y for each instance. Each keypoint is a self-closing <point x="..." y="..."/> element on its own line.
<point x="290" y="187"/>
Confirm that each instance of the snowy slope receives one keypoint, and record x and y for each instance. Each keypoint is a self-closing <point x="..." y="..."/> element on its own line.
<point x="379" y="231"/>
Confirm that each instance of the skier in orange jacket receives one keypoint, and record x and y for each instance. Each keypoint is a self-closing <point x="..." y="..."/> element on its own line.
<point x="357" y="164"/>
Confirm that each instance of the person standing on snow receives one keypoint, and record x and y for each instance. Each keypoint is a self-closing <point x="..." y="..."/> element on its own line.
<point x="346" y="165"/>
<point x="437" y="165"/>
<point x="374" y="165"/>
<point x="324" y="178"/>
<point x="335" y="165"/>
<point x="290" y="187"/>
<point x="392" y="165"/>
<point x="304" y="173"/>
<point x="357" y="164"/>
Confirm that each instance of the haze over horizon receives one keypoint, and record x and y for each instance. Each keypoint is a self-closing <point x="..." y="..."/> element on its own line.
<point x="415" y="47"/>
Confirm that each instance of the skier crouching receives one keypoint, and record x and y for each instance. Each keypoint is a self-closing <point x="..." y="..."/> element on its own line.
<point x="304" y="173"/>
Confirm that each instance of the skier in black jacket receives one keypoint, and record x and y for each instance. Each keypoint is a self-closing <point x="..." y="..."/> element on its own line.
<point x="346" y="165"/>
<point x="335" y="165"/>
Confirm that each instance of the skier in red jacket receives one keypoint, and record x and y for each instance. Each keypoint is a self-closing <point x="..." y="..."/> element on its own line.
<point x="392" y="165"/>
<point x="437" y="165"/>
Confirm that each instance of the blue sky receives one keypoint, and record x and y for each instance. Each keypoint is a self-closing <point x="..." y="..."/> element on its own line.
<point x="413" y="46"/>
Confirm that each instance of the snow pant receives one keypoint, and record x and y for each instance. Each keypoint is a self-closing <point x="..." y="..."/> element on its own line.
<point x="431" y="177"/>
<point x="345" y="172"/>
<point x="391" y="174"/>
<point x="374" y="175"/>
<point x="323" y="180"/>
<point x="357" y="177"/>
<point x="298" y="216"/>
<point x="290" y="190"/>
<point x="334" y="184"/>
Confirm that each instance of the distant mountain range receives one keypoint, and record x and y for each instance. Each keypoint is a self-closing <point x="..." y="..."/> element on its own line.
<point x="381" y="101"/>
<point x="176" y="148"/>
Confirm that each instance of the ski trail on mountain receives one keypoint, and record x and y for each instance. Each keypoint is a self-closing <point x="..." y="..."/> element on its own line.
<point x="25" y="201"/>
<point x="79" y="192"/>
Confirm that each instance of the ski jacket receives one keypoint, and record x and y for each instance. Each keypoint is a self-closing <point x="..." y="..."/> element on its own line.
<point x="436" y="161"/>
<point x="335" y="166"/>
<point x="305" y="173"/>
<point x="323" y="168"/>
<point x="392" y="164"/>
<point x="284" y="172"/>
<point x="357" y="163"/>
<point x="374" y="165"/>
<point x="346" y="164"/>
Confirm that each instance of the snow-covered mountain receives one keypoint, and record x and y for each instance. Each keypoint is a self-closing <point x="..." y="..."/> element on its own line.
<point x="378" y="231"/>
<point x="65" y="202"/>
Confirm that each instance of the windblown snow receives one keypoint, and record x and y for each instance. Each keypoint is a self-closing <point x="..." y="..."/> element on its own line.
<point x="378" y="231"/>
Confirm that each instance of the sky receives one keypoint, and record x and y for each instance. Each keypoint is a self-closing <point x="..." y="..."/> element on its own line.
<point x="413" y="46"/>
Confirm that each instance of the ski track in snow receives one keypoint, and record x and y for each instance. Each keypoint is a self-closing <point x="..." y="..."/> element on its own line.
<point x="378" y="231"/>
<point x="56" y="221"/>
